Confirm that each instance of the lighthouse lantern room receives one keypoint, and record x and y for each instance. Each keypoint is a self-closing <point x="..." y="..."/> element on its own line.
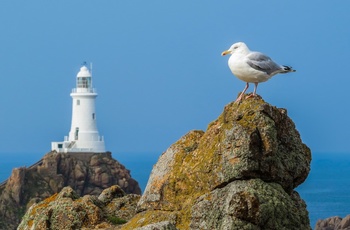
<point x="83" y="135"/>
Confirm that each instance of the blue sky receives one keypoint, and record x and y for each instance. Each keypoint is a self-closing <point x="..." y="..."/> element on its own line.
<point x="158" y="70"/>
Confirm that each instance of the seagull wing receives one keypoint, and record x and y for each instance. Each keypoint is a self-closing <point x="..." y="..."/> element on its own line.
<point x="261" y="62"/>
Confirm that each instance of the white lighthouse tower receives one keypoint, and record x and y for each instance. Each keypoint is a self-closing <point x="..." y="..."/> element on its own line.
<point x="83" y="135"/>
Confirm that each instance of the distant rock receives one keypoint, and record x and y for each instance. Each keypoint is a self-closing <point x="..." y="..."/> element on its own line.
<point x="334" y="223"/>
<point x="239" y="174"/>
<point x="67" y="210"/>
<point x="86" y="173"/>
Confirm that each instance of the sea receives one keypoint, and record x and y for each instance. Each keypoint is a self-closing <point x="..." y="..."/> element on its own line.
<point x="326" y="191"/>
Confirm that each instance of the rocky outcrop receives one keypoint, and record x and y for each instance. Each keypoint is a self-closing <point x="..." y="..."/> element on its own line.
<point x="66" y="210"/>
<point x="334" y="223"/>
<point x="85" y="173"/>
<point x="238" y="174"/>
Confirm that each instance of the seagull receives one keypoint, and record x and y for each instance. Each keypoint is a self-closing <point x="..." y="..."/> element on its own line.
<point x="252" y="67"/>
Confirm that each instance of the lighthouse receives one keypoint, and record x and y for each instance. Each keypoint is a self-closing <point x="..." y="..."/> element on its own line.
<point x="83" y="135"/>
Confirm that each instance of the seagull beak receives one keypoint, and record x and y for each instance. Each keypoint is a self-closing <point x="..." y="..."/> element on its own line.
<point x="225" y="52"/>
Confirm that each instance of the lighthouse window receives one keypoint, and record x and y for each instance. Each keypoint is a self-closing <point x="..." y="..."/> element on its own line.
<point x="76" y="133"/>
<point x="83" y="82"/>
<point x="93" y="116"/>
<point x="78" y="102"/>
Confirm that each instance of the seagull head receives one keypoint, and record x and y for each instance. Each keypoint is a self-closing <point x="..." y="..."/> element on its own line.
<point x="239" y="47"/>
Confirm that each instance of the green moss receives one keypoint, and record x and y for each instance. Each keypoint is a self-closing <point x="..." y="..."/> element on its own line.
<point x="191" y="148"/>
<point x="116" y="220"/>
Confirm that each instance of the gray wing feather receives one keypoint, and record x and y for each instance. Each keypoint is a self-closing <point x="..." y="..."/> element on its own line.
<point x="263" y="63"/>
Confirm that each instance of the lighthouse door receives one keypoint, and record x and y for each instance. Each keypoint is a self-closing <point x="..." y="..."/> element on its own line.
<point x="76" y="133"/>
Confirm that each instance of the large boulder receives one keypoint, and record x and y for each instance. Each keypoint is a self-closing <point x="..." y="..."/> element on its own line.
<point x="239" y="174"/>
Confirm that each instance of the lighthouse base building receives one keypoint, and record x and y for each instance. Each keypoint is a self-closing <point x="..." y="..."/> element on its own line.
<point x="83" y="136"/>
<point x="66" y="146"/>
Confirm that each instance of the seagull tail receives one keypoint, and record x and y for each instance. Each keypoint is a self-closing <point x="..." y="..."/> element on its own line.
<point x="287" y="69"/>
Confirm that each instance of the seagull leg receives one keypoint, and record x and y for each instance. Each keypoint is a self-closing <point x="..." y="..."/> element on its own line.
<point x="241" y="95"/>
<point x="256" y="86"/>
<point x="254" y="92"/>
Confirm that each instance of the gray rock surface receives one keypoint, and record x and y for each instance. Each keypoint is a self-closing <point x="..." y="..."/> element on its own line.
<point x="249" y="204"/>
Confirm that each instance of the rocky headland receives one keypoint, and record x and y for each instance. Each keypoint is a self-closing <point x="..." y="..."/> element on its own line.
<point x="241" y="173"/>
<point x="334" y="223"/>
<point x="85" y="173"/>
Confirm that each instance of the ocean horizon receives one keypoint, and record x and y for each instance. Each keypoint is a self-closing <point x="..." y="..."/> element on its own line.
<point x="326" y="191"/>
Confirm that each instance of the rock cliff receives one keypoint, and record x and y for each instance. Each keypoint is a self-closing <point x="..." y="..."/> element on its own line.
<point x="86" y="173"/>
<point x="239" y="174"/>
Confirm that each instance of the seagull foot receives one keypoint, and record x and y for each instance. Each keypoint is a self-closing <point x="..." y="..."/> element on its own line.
<point x="239" y="99"/>
<point x="246" y="96"/>
<point x="253" y="96"/>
